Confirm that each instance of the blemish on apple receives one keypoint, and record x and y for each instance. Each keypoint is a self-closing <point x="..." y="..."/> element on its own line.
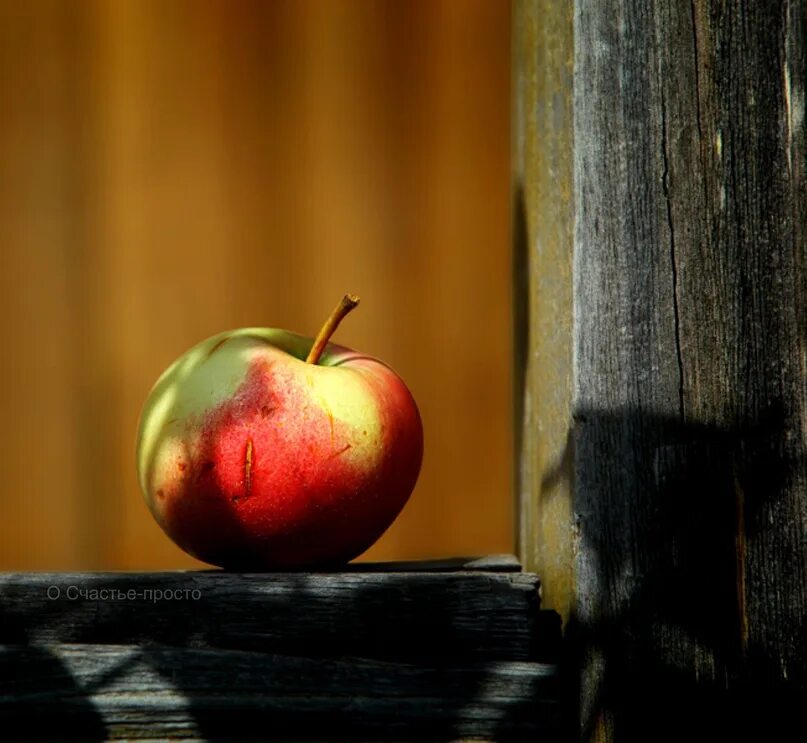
<point x="217" y="346"/>
<point x="248" y="468"/>
<point x="342" y="450"/>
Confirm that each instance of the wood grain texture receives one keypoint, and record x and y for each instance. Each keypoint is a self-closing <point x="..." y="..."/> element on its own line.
<point x="356" y="655"/>
<point x="173" y="168"/>
<point x="406" y="616"/>
<point x="109" y="692"/>
<point x="543" y="50"/>
<point x="690" y="343"/>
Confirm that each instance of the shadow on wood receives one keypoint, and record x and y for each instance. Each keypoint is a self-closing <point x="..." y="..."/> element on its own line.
<point x="672" y="562"/>
<point x="304" y="656"/>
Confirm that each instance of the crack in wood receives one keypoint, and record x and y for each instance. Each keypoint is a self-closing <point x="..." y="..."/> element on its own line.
<point x="665" y="184"/>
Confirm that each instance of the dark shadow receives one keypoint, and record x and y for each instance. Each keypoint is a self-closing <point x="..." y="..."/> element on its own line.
<point x="684" y="629"/>
<point x="389" y="661"/>
<point x="39" y="697"/>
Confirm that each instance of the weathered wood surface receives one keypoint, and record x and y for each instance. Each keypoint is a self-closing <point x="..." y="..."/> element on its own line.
<point x="395" y="615"/>
<point x="691" y="354"/>
<point x="101" y="692"/>
<point x="543" y="227"/>
<point x="487" y="563"/>
<point x="372" y="652"/>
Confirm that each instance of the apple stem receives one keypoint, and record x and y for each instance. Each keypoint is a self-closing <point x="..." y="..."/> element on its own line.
<point x="347" y="303"/>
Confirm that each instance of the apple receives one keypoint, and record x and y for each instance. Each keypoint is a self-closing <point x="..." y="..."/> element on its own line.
<point x="261" y="448"/>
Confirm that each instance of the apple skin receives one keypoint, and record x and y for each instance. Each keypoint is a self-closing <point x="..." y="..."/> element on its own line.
<point x="252" y="459"/>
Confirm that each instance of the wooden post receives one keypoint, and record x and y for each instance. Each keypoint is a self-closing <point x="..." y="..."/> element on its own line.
<point x="689" y="495"/>
<point x="543" y="224"/>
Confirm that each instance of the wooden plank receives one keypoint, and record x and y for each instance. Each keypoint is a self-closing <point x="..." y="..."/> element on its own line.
<point x="123" y="692"/>
<point x="543" y="49"/>
<point x="407" y="616"/>
<point x="691" y="355"/>
<point x="486" y="563"/>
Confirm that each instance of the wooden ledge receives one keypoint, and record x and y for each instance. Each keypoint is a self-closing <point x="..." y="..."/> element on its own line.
<point x="440" y="650"/>
<point x="408" y="615"/>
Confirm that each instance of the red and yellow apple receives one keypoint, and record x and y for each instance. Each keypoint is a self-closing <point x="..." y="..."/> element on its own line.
<point x="260" y="449"/>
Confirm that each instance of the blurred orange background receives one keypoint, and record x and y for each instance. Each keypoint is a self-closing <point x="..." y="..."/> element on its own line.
<point x="170" y="169"/>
